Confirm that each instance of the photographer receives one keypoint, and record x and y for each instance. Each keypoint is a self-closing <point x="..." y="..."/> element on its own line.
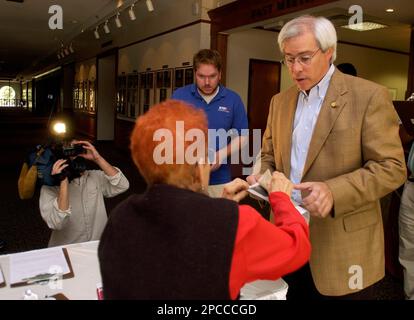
<point x="75" y="208"/>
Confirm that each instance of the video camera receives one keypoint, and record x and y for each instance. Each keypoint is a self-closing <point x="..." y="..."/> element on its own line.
<point x="76" y="165"/>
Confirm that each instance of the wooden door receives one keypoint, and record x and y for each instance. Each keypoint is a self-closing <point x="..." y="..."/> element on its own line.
<point x="264" y="83"/>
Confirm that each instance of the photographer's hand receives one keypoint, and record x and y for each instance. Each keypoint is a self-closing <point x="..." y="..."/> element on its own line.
<point x="58" y="166"/>
<point x="93" y="154"/>
<point x="63" y="197"/>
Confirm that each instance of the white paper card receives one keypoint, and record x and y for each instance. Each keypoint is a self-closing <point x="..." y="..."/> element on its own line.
<point x="264" y="290"/>
<point x="35" y="265"/>
<point x="1" y="277"/>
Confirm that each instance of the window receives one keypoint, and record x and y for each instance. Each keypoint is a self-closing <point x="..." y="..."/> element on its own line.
<point x="7" y="96"/>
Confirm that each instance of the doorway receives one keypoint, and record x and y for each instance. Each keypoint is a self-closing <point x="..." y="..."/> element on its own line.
<point x="264" y="83"/>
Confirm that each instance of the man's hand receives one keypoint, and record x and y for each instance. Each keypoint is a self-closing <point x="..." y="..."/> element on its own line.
<point x="253" y="178"/>
<point x="235" y="190"/>
<point x="317" y="198"/>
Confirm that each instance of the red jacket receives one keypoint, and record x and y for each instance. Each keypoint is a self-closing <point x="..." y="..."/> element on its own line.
<point x="266" y="251"/>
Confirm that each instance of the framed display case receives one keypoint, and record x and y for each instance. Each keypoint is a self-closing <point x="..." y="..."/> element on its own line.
<point x="189" y="75"/>
<point x="132" y="95"/>
<point x="164" y="85"/>
<point x="146" y="91"/>
<point x="76" y="96"/>
<point x="81" y="96"/>
<point x="91" y="97"/>
<point x="29" y="95"/>
<point x="178" y="77"/>
<point x="121" y="95"/>
<point x="84" y="96"/>
<point x="85" y="103"/>
<point x="183" y="76"/>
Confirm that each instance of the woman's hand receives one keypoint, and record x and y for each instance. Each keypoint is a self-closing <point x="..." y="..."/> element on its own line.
<point x="279" y="182"/>
<point x="235" y="190"/>
<point x="253" y="178"/>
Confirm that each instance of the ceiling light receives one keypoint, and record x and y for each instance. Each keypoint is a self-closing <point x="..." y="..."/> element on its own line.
<point x="71" y="48"/>
<point x="390" y="10"/>
<point x="118" y="21"/>
<point x="150" y="6"/>
<point x="106" y="28"/>
<point x="96" y="33"/>
<point x="364" y="26"/>
<point x="132" y="13"/>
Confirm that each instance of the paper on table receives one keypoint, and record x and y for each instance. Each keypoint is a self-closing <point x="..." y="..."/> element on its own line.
<point x="34" y="266"/>
<point x="264" y="290"/>
<point x="1" y="278"/>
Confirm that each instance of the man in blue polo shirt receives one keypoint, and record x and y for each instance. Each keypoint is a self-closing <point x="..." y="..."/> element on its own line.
<point x="225" y="112"/>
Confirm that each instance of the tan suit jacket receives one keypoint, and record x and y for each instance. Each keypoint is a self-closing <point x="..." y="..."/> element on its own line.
<point x="355" y="149"/>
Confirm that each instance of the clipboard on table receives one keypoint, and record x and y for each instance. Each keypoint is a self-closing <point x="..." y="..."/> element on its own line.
<point x="2" y="279"/>
<point x="43" y="270"/>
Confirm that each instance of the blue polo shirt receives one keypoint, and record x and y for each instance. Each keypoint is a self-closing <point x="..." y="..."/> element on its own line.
<point x="226" y="111"/>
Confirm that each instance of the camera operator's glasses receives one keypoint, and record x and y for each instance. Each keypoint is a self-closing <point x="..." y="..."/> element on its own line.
<point x="303" y="59"/>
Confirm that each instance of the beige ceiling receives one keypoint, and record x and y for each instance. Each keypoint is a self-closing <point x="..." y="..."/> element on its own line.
<point x="395" y="37"/>
<point x="28" y="45"/>
<point x="25" y="36"/>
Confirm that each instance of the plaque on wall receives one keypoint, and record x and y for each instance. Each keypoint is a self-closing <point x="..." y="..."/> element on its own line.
<point x="178" y="78"/>
<point x="189" y="76"/>
<point x="150" y="80"/>
<point x="167" y="79"/>
<point x="163" y="94"/>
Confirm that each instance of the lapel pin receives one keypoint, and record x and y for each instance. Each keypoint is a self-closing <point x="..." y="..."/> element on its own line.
<point x="333" y="104"/>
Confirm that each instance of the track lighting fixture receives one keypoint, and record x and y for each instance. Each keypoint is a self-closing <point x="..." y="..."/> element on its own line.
<point x="118" y="21"/>
<point x="150" y="6"/>
<point x="132" y="13"/>
<point x="96" y="33"/>
<point x="106" y="28"/>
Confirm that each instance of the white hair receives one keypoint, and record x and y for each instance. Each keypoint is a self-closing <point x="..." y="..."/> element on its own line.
<point x="323" y="30"/>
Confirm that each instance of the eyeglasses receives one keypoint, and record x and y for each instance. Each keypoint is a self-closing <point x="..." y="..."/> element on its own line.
<point x="304" y="59"/>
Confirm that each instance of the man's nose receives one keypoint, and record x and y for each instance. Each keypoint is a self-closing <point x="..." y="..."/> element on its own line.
<point x="296" y="66"/>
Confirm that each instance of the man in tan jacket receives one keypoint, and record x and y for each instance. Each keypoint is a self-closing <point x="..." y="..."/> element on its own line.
<point x="336" y="137"/>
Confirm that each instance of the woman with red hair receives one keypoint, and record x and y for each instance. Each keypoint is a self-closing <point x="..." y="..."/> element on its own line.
<point x="174" y="241"/>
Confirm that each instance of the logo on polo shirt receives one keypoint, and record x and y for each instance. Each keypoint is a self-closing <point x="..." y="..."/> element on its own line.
<point x="223" y="109"/>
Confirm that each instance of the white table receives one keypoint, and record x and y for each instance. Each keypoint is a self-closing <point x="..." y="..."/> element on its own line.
<point x="85" y="265"/>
